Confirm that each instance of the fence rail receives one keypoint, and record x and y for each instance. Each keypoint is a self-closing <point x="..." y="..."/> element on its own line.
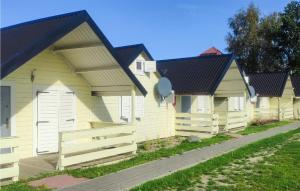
<point x="287" y="113"/>
<point x="93" y="144"/>
<point x="235" y="120"/>
<point x="199" y="124"/>
<point x="9" y="160"/>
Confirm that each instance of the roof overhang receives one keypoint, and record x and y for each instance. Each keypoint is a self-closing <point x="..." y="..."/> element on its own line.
<point x="86" y="50"/>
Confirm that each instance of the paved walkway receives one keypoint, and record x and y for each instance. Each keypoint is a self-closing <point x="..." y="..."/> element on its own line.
<point x="129" y="178"/>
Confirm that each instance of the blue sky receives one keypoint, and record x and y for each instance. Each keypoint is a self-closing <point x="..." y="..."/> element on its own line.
<point x="168" y="28"/>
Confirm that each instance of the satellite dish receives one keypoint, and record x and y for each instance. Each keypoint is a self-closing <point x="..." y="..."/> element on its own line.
<point x="253" y="97"/>
<point x="252" y="91"/>
<point x="164" y="87"/>
<point x="171" y="97"/>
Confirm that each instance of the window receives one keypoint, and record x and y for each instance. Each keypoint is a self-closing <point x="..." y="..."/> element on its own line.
<point x="139" y="106"/>
<point x="203" y="104"/>
<point x="125" y="107"/>
<point x="263" y="102"/>
<point x="236" y="104"/>
<point x="140" y="67"/>
<point x="186" y="104"/>
<point x="125" y="103"/>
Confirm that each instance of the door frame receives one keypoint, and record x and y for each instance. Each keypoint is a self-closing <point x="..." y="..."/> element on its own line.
<point x="12" y="105"/>
<point x="36" y="88"/>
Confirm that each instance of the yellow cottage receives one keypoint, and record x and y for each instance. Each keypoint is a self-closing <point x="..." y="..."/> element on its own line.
<point x="62" y="90"/>
<point x="274" y="96"/>
<point x="296" y="85"/>
<point x="210" y="94"/>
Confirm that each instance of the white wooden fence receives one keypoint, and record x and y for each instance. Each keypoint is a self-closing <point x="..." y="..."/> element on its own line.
<point x="286" y="114"/>
<point x="235" y="120"/>
<point x="9" y="160"/>
<point x="198" y="124"/>
<point x="93" y="144"/>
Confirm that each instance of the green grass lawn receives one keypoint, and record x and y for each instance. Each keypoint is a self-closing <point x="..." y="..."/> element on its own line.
<point x="257" y="128"/>
<point x="140" y="158"/>
<point x="270" y="164"/>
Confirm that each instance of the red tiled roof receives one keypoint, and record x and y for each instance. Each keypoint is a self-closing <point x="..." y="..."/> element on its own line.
<point x="211" y="51"/>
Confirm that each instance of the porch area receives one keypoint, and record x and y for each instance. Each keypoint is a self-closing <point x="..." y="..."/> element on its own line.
<point x="104" y="143"/>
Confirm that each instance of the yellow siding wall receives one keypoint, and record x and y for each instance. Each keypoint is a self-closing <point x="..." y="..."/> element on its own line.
<point x="232" y="83"/>
<point x="158" y="120"/>
<point x="50" y="71"/>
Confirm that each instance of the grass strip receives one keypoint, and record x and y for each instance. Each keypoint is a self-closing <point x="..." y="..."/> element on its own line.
<point x="184" y="179"/>
<point x="258" y="128"/>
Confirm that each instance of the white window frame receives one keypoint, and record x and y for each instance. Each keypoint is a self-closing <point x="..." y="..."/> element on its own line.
<point x="206" y="107"/>
<point x="139" y="102"/>
<point x="124" y="118"/>
<point x="140" y="71"/>
<point x="12" y="105"/>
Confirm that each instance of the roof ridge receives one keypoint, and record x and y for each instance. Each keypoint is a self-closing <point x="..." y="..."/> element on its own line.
<point x="195" y="57"/>
<point x="127" y="46"/>
<point x="45" y="18"/>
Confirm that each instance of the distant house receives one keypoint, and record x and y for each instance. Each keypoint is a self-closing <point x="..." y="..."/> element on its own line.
<point x="211" y="51"/>
<point x="207" y="87"/>
<point x="274" y="96"/>
<point x="296" y="85"/>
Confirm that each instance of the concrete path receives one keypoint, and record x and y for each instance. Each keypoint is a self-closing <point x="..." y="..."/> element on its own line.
<point x="129" y="178"/>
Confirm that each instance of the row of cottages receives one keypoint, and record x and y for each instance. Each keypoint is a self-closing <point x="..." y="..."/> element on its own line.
<point x="275" y="96"/>
<point x="210" y="93"/>
<point x="296" y="85"/>
<point x="65" y="89"/>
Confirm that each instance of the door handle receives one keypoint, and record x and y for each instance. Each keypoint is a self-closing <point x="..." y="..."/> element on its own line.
<point x="70" y="120"/>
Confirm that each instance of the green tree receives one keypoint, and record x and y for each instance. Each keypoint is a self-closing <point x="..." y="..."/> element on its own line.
<point x="243" y="40"/>
<point x="270" y="56"/>
<point x="289" y="38"/>
<point x="269" y="43"/>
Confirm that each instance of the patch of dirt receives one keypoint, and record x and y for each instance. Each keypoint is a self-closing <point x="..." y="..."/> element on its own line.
<point x="225" y="175"/>
<point x="153" y="145"/>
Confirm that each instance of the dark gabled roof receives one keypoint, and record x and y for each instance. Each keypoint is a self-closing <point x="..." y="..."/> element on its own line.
<point x="21" y="42"/>
<point x="269" y="84"/>
<point x="296" y="84"/>
<point x="196" y="75"/>
<point x="127" y="54"/>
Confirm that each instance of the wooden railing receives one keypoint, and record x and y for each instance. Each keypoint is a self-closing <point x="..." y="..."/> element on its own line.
<point x="83" y="146"/>
<point x="198" y="124"/>
<point x="9" y="160"/>
<point x="287" y="113"/>
<point x="235" y="120"/>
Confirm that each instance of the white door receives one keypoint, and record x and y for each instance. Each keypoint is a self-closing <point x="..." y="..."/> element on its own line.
<point x="47" y="121"/>
<point x="66" y="111"/>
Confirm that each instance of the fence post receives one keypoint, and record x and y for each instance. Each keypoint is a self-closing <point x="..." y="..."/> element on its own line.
<point x="60" y="155"/>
